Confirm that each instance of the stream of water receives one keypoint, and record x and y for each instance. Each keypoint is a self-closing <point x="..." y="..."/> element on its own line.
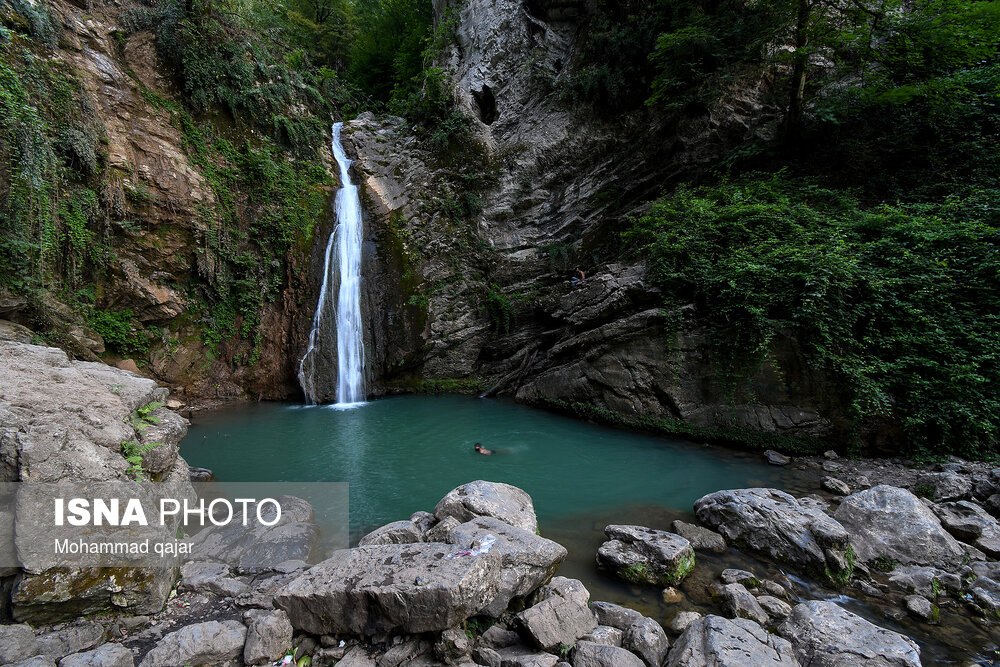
<point x="345" y="271"/>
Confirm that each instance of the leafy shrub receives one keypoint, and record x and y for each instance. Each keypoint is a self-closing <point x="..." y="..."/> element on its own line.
<point x="895" y="302"/>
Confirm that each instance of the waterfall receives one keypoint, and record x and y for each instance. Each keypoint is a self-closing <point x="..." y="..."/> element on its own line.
<point x="346" y="238"/>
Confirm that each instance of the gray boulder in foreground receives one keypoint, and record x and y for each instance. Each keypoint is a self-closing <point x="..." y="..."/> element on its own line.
<point x="480" y="498"/>
<point x="410" y="588"/>
<point x="644" y="555"/>
<point x="206" y="643"/>
<point x="556" y="621"/>
<point x="886" y="522"/>
<point x="825" y="634"/>
<point x="591" y="654"/>
<point x="108" y="655"/>
<point x="714" y="641"/>
<point x="772" y="522"/>
<point x="527" y="560"/>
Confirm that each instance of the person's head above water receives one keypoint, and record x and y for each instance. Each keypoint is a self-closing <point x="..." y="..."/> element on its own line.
<point x="478" y="446"/>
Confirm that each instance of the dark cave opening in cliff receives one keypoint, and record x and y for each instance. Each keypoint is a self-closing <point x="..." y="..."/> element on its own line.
<point x="487" y="104"/>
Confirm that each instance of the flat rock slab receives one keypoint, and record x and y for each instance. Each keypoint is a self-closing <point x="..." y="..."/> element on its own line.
<point x="206" y="643"/>
<point x="827" y="635"/>
<point x="590" y="654"/>
<point x="480" y="498"/>
<point x="721" y="642"/>
<point x="644" y="555"/>
<point x="887" y="522"/>
<point x="527" y="560"/>
<point x="410" y="588"/>
<point x="772" y="522"/>
<point x="701" y="538"/>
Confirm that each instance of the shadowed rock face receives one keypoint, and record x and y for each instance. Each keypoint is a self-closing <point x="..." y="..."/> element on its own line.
<point x="564" y="181"/>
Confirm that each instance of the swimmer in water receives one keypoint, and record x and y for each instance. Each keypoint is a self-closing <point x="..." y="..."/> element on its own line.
<point x="482" y="450"/>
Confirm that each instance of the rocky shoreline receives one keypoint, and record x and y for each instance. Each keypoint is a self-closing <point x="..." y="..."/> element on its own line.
<point x="473" y="583"/>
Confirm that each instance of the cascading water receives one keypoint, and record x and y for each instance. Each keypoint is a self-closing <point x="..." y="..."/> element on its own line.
<point x="346" y="237"/>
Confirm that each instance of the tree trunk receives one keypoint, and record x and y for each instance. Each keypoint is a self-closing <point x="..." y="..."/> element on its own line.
<point x="792" y="128"/>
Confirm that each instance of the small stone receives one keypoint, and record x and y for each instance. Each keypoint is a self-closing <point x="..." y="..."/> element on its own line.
<point x="739" y="603"/>
<point x="734" y="576"/>
<point x="605" y="634"/>
<point x="774" y="607"/>
<point x="681" y="621"/>
<point x="701" y="538"/>
<point x="615" y="615"/>
<point x="831" y="455"/>
<point x="836" y="486"/>
<point x="776" y="458"/>
<point x="921" y="608"/>
<point x="773" y="588"/>
<point x="672" y="596"/>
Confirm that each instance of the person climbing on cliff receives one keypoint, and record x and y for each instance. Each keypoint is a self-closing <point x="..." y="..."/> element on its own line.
<point x="482" y="450"/>
<point x="578" y="278"/>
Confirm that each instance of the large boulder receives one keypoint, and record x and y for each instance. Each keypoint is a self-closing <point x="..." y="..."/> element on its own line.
<point x="892" y="524"/>
<point x="970" y="523"/>
<point x="501" y="501"/>
<point x="269" y="636"/>
<point x="772" y="522"/>
<point x="527" y="561"/>
<point x="257" y="547"/>
<point x="827" y="635"/>
<point x="644" y="555"/>
<point x="208" y="643"/>
<point x="411" y="588"/>
<point x="210" y="578"/>
<point x="397" y="532"/>
<point x="647" y="639"/>
<point x="714" y="641"/>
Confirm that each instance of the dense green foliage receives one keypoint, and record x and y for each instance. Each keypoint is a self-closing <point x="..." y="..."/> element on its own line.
<point x="897" y="303"/>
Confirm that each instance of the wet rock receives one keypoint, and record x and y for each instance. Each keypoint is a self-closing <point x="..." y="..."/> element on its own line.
<point x="889" y="522"/>
<point x="920" y="607"/>
<point x="397" y="532"/>
<point x="969" y="522"/>
<point x="210" y="578"/>
<point x="824" y="635"/>
<point x="671" y="595"/>
<point x="945" y="485"/>
<point x="647" y="640"/>
<point x="772" y="522"/>
<point x="774" y="588"/>
<point x="776" y="458"/>
<point x="734" y="576"/>
<point x="836" y="486"/>
<point x="721" y="642"/>
<point x="926" y="581"/>
<point x="644" y="555"/>
<point x="258" y="548"/>
<point x="269" y="636"/>
<point x="701" y="538"/>
<point x="614" y="615"/>
<point x="986" y="592"/>
<point x="590" y="654"/>
<point x="605" y="634"/>
<point x="391" y="588"/>
<point x="200" y="644"/>
<point x="774" y="607"/>
<point x="681" y="621"/>
<point x="201" y="475"/>
<point x="527" y="560"/>
<point x="740" y="603"/>
<point x="557" y="620"/>
<point x="502" y="501"/>
<point x="108" y="655"/>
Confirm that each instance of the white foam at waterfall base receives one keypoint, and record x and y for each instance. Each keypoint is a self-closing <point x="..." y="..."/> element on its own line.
<point x="342" y="262"/>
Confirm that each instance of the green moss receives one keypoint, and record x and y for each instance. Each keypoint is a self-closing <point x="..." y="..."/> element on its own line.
<point x="840" y="579"/>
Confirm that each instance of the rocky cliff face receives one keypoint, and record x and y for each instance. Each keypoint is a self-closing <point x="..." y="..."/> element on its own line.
<point x="487" y="299"/>
<point x="158" y="205"/>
